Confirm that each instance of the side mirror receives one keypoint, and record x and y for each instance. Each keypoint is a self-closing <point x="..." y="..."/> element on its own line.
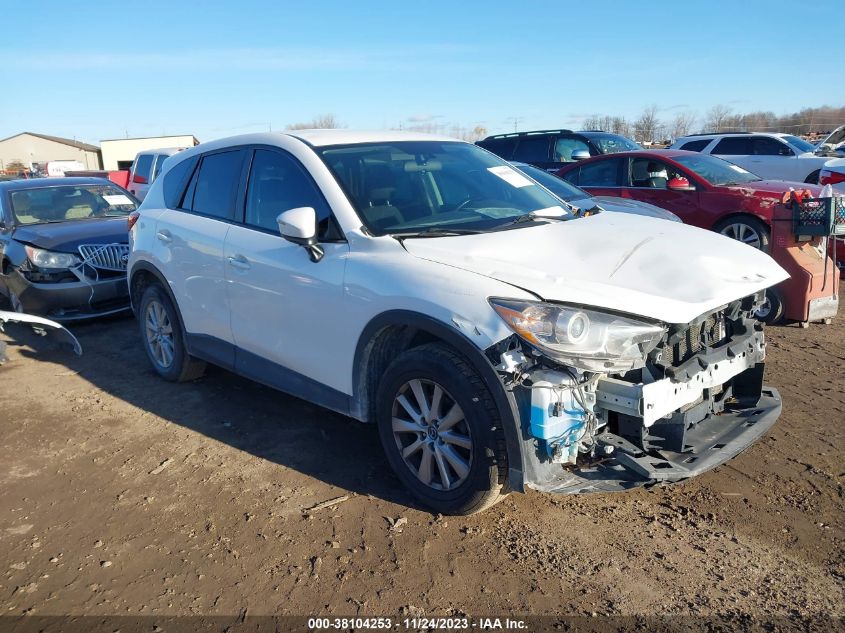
<point x="580" y="154"/>
<point x="679" y="183"/>
<point x="300" y="227"/>
<point x="141" y="180"/>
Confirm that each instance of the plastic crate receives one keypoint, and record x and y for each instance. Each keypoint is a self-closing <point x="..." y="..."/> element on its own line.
<point x="820" y="216"/>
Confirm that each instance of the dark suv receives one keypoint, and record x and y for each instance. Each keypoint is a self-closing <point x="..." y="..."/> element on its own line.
<point x="551" y="149"/>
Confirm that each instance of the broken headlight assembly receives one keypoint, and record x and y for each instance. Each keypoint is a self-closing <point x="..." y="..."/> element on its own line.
<point x="51" y="260"/>
<point x="588" y="340"/>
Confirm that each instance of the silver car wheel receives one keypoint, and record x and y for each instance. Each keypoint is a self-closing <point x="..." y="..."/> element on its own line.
<point x="743" y="233"/>
<point x="159" y="334"/>
<point x="432" y="434"/>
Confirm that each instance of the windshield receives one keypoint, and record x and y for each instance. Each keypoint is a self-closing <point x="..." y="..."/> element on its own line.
<point x="407" y="186"/>
<point x="715" y="170"/>
<point x="612" y="143"/>
<point x="65" y="203"/>
<point x="558" y="186"/>
<point x="799" y="143"/>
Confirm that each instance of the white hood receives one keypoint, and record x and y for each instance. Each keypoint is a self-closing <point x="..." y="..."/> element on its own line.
<point x="638" y="265"/>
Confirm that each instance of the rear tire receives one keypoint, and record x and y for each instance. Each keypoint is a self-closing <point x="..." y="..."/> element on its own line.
<point x="161" y="334"/>
<point x="746" y="229"/>
<point x="441" y="432"/>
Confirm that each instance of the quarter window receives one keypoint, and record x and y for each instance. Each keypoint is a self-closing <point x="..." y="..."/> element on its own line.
<point x="695" y="146"/>
<point x="175" y="180"/>
<point x="278" y="183"/>
<point x="215" y="184"/>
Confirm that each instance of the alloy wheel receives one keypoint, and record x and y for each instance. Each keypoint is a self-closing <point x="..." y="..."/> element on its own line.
<point x="744" y="233"/>
<point x="159" y="332"/>
<point x="432" y="434"/>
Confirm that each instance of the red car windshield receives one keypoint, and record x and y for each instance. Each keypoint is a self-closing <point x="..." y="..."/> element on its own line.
<point x="715" y="170"/>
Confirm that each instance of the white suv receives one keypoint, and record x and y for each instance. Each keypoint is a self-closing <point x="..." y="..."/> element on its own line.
<point x="768" y="155"/>
<point x="423" y="284"/>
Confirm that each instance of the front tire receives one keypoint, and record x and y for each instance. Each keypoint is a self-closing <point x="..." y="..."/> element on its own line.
<point x="161" y="335"/>
<point x="440" y="430"/>
<point x="745" y="229"/>
<point x="771" y="312"/>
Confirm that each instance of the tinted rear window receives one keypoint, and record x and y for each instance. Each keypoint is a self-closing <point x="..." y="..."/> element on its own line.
<point x="216" y="184"/>
<point x="696" y="146"/>
<point x="143" y="164"/>
<point x="533" y="149"/>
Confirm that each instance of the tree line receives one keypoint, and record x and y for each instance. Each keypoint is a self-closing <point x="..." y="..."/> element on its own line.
<point x="649" y="127"/>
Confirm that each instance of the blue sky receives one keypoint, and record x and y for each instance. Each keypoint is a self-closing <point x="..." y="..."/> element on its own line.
<point x="101" y="70"/>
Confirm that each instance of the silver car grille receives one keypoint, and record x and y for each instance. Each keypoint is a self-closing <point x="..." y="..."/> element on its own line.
<point x="105" y="256"/>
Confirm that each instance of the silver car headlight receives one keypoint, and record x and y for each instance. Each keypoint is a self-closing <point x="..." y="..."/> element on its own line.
<point x="51" y="259"/>
<point x="589" y="340"/>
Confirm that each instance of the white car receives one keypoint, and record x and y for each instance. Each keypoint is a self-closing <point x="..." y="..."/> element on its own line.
<point x="145" y="169"/>
<point x="833" y="144"/>
<point x="833" y="173"/>
<point x="424" y="284"/>
<point x="772" y="156"/>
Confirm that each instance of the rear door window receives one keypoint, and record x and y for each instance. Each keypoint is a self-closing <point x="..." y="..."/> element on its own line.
<point x="733" y="146"/>
<point x="602" y="173"/>
<point x="533" y="149"/>
<point x="214" y="188"/>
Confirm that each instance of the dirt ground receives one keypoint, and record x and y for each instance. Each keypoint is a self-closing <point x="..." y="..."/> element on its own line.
<point x="123" y="494"/>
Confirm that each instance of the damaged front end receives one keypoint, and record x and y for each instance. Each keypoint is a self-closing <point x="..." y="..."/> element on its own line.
<point x="658" y="404"/>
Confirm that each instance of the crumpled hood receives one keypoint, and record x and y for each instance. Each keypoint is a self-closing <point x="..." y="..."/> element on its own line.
<point x="66" y="237"/>
<point x="633" y="264"/>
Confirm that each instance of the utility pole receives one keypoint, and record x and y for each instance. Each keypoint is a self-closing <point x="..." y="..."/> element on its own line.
<point x="516" y="121"/>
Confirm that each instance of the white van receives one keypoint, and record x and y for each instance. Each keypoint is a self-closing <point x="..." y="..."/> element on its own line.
<point x="146" y="167"/>
<point x="57" y="168"/>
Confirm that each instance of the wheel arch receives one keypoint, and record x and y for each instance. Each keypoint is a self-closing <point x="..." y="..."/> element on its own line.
<point x="735" y="215"/>
<point x="395" y="331"/>
<point x="144" y="274"/>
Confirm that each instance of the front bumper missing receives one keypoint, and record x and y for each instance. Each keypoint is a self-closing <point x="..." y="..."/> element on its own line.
<point x="713" y="441"/>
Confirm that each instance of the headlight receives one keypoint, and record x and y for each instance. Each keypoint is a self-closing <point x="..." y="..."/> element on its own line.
<point x="49" y="259"/>
<point x="585" y="339"/>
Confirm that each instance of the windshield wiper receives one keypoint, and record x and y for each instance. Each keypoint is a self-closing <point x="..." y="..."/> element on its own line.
<point x="530" y="217"/>
<point x="435" y="231"/>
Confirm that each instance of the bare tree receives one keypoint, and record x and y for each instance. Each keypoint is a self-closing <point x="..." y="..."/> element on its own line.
<point x="717" y="118"/>
<point x="682" y="124"/>
<point x="647" y="127"/>
<point x="321" y="122"/>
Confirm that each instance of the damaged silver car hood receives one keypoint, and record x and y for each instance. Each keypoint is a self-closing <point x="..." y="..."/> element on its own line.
<point x="638" y="265"/>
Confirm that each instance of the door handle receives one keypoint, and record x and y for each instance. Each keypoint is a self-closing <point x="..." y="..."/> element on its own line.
<point x="239" y="261"/>
<point x="164" y="236"/>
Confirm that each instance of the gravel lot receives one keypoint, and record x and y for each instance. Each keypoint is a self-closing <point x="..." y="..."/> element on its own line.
<point x="123" y="494"/>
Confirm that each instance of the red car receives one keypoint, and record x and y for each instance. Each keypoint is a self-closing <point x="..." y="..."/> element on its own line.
<point x="702" y="190"/>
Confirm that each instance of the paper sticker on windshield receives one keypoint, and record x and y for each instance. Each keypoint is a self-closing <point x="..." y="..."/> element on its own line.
<point x="739" y="169"/>
<point x="117" y="199"/>
<point x="510" y="176"/>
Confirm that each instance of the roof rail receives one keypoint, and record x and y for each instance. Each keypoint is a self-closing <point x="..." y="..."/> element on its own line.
<point x="604" y="131"/>
<point x="717" y="133"/>
<point x="516" y="134"/>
